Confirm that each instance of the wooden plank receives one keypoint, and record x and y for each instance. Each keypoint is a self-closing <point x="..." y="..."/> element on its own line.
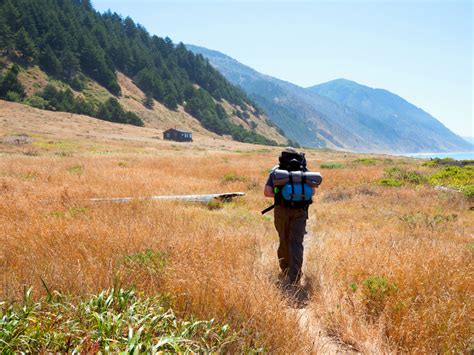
<point x="227" y="196"/>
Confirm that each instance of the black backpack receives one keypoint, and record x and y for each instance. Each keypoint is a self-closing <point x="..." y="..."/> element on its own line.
<point x="292" y="161"/>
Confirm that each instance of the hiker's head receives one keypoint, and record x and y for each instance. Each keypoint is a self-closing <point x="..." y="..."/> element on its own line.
<point x="291" y="160"/>
<point x="289" y="150"/>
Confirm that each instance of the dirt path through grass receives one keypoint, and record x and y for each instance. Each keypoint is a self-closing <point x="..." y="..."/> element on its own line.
<point x="308" y="320"/>
<point x="323" y="343"/>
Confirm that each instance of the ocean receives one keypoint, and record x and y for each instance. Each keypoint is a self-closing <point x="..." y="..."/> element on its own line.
<point x="457" y="156"/>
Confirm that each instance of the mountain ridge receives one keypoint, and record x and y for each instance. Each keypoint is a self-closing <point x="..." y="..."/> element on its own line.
<point x="323" y="120"/>
<point x="381" y="105"/>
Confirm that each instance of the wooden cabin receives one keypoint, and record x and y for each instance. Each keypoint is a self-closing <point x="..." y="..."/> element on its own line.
<point x="173" y="134"/>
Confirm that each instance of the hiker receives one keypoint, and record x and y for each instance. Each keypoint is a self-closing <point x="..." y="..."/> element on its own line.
<point x="292" y="200"/>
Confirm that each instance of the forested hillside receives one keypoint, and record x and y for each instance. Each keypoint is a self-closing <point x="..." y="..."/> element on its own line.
<point x="72" y="42"/>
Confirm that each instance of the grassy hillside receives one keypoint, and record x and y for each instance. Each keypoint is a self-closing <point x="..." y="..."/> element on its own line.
<point x="387" y="265"/>
<point x="83" y="54"/>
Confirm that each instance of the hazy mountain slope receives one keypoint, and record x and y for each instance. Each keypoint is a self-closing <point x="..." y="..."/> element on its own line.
<point x="413" y="127"/>
<point x="289" y="106"/>
<point x="469" y="140"/>
<point x="315" y="120"/>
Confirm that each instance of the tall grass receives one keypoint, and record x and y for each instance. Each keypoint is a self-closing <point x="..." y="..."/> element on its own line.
<point x="382" y="278"/>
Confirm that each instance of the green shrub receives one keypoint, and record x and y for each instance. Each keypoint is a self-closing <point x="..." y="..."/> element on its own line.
<point x="375" y="293"/>
<point x="410" y="177"/>
<point x="13" y="96"/>
<point x="453" y="176"/>
<point x="331" y="165"/>
<point x="233" y="177"/>
<point x="152" y="260"/>
<point x="468" y="191"/>
<point x="37" y="102"/>
<point x="447" y="162"/>
<point x="430" y="164"/>
<point x="390" y="182"/>
<point x="365" y="161"/>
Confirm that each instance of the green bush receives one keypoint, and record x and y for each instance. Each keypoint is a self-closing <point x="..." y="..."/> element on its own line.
<point x="390" y="182"/>
<point x="468" y="191"/>
<point x="365" y="161"/>
<point x="410" y="177"/>
<point x="447" y="162"/>
<point x="154" y="261"/>
<point x="453" y="176"/>
<point x="13" y="96"/>
<point x="375" y="293"/>
<point x="232" y="177"/>
<point x="331" y="165"/>
<point x="37" y="102"/>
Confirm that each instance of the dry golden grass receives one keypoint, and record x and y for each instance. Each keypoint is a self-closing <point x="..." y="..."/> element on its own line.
<point x="414" y="245"/>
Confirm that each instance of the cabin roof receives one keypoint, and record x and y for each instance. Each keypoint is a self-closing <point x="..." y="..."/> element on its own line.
<point x="176" y="130"/>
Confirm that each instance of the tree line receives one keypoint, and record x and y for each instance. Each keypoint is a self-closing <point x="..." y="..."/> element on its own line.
<point x="69" y="39"/>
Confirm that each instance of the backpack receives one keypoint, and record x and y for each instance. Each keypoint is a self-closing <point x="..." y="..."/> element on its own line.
<point x="293" y="194"/>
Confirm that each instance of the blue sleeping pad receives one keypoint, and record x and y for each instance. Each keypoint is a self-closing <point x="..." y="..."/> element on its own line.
<point x="286" y="192"/>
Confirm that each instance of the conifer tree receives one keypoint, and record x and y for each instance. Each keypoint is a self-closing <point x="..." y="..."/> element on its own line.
<point x="25" y="45"/>
<point x="148" y="101"/>
<point x="6" y="38"/>
<point x="49" y="62"/>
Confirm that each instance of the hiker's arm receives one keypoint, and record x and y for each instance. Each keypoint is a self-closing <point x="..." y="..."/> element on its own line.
<point x="268" y="192"/>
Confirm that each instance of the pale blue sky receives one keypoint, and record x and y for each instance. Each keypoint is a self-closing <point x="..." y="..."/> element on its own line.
<point x="420" y="50"/>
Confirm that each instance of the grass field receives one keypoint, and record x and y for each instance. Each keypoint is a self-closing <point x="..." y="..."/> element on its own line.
<point x="387" y="268"/>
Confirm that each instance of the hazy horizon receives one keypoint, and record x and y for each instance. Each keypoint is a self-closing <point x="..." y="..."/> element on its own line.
<point x="421" y="51"/>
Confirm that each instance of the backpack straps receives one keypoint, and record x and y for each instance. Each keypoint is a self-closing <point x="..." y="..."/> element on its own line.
<point x="303" y="182"/>
<point x="292" y="187"/>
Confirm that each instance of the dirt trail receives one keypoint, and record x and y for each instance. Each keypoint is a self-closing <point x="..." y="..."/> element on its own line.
<point x="309" y="321"/>
<point x="307" y="318"/>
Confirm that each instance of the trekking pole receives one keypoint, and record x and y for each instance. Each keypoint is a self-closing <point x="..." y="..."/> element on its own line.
<point x="268" y="209"/>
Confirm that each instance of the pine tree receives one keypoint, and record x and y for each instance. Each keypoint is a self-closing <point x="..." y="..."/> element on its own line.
<point x="71" y="65"/>
<point x="50" y="63"/>
<point x="10" y="14"/>
<point x="25" y="45"/>
<point x="170" y="96"/>
<point x="6" y="38"/>
<point x="148" y="101"/>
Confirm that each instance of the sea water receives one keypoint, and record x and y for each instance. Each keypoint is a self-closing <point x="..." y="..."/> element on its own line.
<point x="457" y="156"/>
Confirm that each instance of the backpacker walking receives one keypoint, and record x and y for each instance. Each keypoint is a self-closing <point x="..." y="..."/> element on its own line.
<point x="292" y="187"/>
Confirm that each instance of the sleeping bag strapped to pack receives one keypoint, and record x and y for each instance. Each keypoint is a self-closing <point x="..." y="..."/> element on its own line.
<point x="293" y="184"/>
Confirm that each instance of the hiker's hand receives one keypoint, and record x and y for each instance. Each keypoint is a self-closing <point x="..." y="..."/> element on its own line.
<point x="268" y="192"/>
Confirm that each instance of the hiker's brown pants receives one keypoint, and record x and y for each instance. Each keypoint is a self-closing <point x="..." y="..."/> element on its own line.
<point x="290" y="224"/>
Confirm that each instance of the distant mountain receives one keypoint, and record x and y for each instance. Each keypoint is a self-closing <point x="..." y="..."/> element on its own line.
<point x="408" y="124"/>
<point x="322" y="117"/>
<point x="470" y="140"/>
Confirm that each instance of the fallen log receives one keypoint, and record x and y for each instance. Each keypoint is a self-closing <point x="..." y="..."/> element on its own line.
<point x="228" y="196"/>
